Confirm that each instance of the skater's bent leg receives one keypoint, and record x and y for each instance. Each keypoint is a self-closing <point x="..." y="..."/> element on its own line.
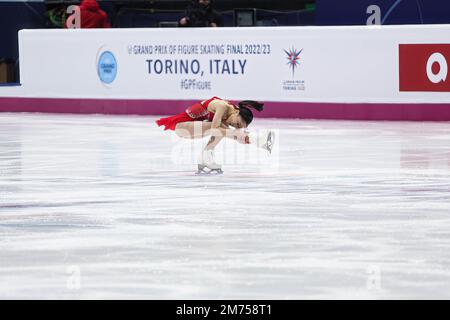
<point x="192" y="129"/>
<point x="199" y="129"/>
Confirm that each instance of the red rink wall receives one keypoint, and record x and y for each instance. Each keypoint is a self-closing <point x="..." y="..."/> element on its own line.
<point x="337" y="111"/>
<point x="352" y="73"/>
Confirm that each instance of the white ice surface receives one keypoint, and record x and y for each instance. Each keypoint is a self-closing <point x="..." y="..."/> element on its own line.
<point x="340" y="210"/>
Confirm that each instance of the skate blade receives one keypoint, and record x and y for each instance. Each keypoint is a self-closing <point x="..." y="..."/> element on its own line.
<point x="269" y="145"/>
<point x="270" y="141"/>
<point x="209" y="172"/>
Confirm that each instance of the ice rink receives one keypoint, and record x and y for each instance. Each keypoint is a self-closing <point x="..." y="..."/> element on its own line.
<point x="109" y="207"/>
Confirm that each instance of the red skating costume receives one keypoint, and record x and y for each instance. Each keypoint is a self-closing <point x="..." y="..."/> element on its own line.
<point x="196" y="112"/>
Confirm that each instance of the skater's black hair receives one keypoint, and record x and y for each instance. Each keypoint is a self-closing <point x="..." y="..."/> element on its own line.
<point x="245" y="112"/>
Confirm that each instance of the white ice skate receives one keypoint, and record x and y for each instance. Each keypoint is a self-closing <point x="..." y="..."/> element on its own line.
<point x="206" y="163"/>
<point x="264" y="140"/>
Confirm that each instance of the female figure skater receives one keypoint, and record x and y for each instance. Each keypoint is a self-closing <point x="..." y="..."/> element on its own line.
<point x="217" y="116"/>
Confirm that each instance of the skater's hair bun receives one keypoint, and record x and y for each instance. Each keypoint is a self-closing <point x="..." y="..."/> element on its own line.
<point x="247" y="114"/>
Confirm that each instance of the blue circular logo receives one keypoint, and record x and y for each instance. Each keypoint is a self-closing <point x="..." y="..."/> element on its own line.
<point x="107" y="67"/>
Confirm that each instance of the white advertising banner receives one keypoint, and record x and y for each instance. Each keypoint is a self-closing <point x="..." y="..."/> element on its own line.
<point x="298" y="64"/>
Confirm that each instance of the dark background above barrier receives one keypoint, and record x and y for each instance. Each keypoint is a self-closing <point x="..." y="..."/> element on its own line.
<point x="354" y="12"/>
<point x="18" y="14"/>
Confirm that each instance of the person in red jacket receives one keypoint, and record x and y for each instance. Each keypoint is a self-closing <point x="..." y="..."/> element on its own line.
<point x="91" y="16"/>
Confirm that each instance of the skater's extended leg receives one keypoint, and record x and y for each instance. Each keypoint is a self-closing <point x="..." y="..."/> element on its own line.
<point x="213" y="142"/>
<point x="263" y="139"/>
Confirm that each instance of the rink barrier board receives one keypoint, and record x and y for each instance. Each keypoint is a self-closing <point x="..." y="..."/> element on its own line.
<point x="354" y="73"/>
<point x="286" y="64"/>
<point x="311" y="110"/>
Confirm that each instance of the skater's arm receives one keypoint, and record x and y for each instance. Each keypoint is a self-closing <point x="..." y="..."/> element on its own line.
<point x="219" y="108"/>
<point x="220" y="129"/>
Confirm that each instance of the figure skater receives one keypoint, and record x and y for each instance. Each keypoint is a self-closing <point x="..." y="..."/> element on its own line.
<point x="217" y="116"/>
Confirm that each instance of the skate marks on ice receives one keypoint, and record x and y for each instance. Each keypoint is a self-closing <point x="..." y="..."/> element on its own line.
<point x="94" y="207"/>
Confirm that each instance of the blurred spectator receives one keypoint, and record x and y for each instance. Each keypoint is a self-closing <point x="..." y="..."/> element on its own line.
<point x="91" y="16"/>
<point x="200" y="13"/>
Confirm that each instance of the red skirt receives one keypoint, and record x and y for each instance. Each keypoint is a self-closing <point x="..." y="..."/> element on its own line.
<point x="170" y="123"/>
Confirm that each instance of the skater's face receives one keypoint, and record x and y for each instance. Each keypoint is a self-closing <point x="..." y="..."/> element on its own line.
<point x="236" y="121"/>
